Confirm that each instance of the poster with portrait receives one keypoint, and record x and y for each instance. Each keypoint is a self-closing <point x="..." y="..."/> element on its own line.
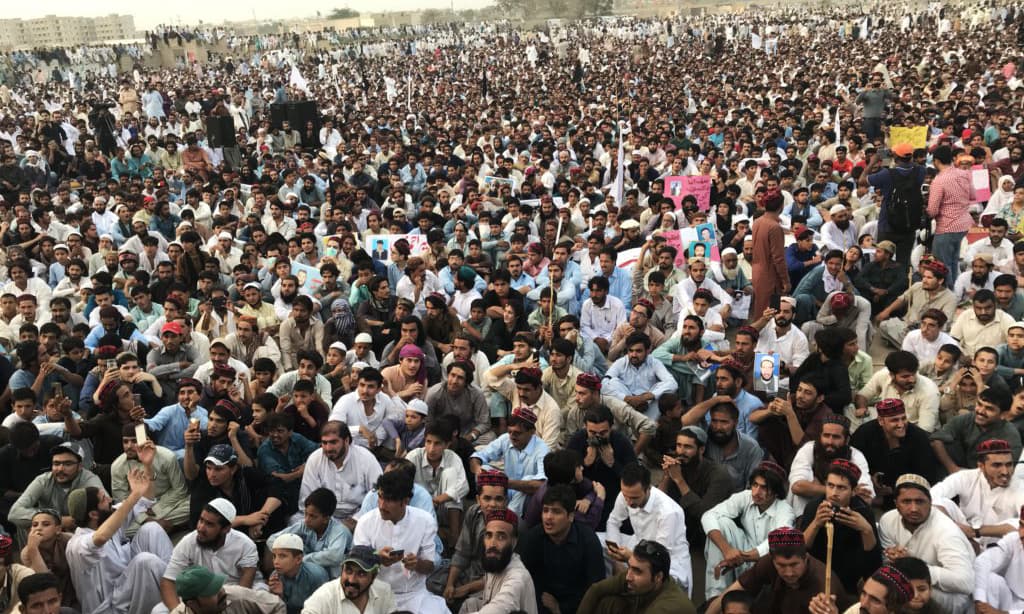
<point x="706" y="232"/>
<point x="700" y="249"/>
<point x="418" y="245"/>
<point x="378" y="247"/>
<point x="766" y="372"/>
<point x="309" y="278"/>
<point x="674" y="189"/>
<point x="492" y="183"/>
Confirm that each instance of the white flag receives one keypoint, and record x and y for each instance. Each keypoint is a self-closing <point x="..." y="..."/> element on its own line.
<point x="619" y="190"/>
<point x="297" y="81"/>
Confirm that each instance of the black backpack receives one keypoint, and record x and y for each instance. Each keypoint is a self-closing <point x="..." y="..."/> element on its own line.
<point x="905" y="207"/>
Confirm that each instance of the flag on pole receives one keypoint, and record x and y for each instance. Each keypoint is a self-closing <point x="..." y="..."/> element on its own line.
<point x="839" y="132"/>
<point x="297" y="81"/>
<point x="408" y="95"/>
<point x="620" y="172"/>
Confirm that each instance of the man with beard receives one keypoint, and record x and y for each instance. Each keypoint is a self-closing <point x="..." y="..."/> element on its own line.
<point x="981" y="326"/>
<point x="346" y="470"/>
<point x="644" y="586"/>
<point x="358" y="587"/>
<point x="955" y="444"/>
<point x="788" y="423"/>
<point x="812" y="461"/>
<point x="891" y="444"/>
<point x="653" y="515"/>
<point x="928" y="293"/>
<point x="915" y="529"/>
<point x="855" y="535"/>
<point x="739" y="453"/>
<point x="522" y="452"/>
<point x="111" y="573"/>
<point x="738" y="527"/>
<point x="665" y="264"/>
<point x="215" y="546"/>
<point x="507" y="585"/>
<point x="733" y="280"/>
<point x="404" y="538"/>
<point x="784" y="339"/>
<point x="786" y="579"/>
<point x="985" y="497"/>
<point x="169" y="492"/>
<point x="638" y="378"/>
<point x="887" y="591"/>
<point x="697" y="484"/>
<point x="979" y="277"/>
<point x="682" y="293"/>
<point x="298" y="330"/>
<point x="457" y="397"/>
<point x="683" y="354"/>
<point x="50" y="490"/>
<point x="587" y="395"/>
<point x="248" y="343"/>
<point x="882" y="278"/>
<point x="562" y="554"/>
<point x="729" y="380"/>
<point x="899" y="380"/>
<point x="605" y="452"/>
<point x="288" y="292"/>
<point x="465" y="575"/>
<point x="256" y="498"/>
<point x="256" y="307"/>
<point x="839" y="233"/>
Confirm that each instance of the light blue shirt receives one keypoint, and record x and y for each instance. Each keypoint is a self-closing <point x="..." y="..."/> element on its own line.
<point x="623" y="379"/>
<point x="620" y="285"/>
<point x="327" y="551"/>
<point x="746" y="403"/>
<point x="447" y="279"/>
<point x="525" y="464"/>
<point x="169" y="424"/>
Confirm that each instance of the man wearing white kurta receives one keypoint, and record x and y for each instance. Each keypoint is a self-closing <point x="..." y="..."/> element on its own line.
<point x="999" y="572"/>
<point x="403" y="536"/>
<point x="346" y="470"/>
<point x="989" y="500"/>
<point x="915" y="529"/>
<point x="744" y="521"/>
<point x="110" y="573"/>
<point x="654" y="517"/>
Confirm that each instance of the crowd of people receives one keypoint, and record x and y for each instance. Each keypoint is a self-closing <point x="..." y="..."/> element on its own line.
<point x="575" y="319"/>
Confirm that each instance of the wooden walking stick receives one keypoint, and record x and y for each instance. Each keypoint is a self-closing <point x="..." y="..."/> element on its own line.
<point x="830" y="534"/>
<point x="554" y="301"/>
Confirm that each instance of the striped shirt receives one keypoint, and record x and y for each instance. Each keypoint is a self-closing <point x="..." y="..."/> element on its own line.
<point x="949" y="198"/>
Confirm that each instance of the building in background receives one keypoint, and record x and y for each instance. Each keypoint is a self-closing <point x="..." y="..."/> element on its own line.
<point x="55" y="31"/>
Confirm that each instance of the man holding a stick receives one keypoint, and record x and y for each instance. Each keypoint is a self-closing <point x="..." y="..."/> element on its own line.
<point x="786" y="579"/>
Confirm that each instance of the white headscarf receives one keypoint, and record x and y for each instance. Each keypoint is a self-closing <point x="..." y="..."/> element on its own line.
<point x="1000" y="197"/>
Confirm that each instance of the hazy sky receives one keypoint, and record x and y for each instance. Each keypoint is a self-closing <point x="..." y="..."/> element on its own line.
<point x="191" y="11"/>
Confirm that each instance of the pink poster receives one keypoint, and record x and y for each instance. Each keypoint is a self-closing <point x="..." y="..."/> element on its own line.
<point x="700" y="187"/>
<point x="980" y="183"/>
